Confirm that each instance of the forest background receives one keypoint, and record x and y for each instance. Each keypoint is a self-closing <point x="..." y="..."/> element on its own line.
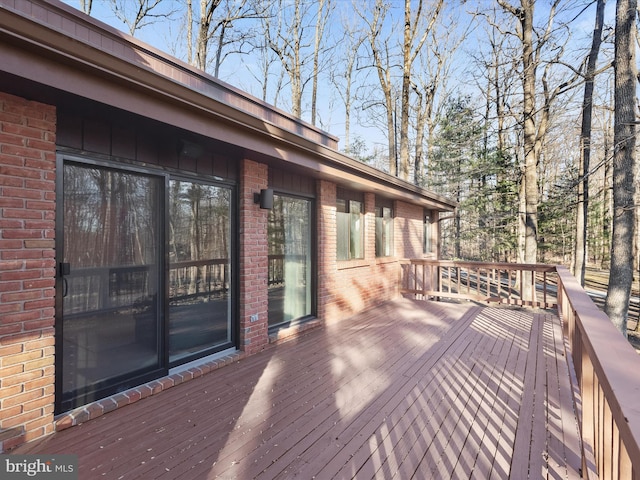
<point x="482" y="101"/>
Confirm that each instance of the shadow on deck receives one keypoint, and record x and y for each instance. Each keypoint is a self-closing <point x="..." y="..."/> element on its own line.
<point x="407" y="389"/>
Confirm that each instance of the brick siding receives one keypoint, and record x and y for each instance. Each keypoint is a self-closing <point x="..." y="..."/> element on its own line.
<point x="27" y="274"/>
<point x="408" y="230"/>
<point x="27" y="269"/>
<point x="346" y="287"/>
<point x="253" y="259"/>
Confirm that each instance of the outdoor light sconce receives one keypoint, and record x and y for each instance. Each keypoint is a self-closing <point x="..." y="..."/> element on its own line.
<point x="264" y="198"/>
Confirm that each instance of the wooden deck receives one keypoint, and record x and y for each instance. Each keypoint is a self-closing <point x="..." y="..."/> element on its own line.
<point x="410" y="389"/>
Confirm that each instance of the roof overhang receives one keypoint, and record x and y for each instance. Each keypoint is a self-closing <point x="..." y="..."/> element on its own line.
<point x="63" y="49"/>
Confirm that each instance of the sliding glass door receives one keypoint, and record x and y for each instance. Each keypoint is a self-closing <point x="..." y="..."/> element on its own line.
<point x="199" y="268"/>
<point x="110" y="279"/>
<point x="290" y="260"/>
<point x="144" y="277"/>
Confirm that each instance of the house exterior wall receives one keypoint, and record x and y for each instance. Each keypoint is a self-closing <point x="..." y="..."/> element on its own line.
<point x="28" y="270"/>
<point x="253" y="259"/>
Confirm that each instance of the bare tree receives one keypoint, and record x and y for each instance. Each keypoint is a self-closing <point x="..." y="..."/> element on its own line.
<point x="624" y="166"/>
<point x="267" y="59"/>
<point x="189" y="26"/>
<point x="415" y="35"/>
<point x="382" y="63"/>
<point x="585" y="150"/>
<point x="290" y="40"/>
<point x="215" y="21"/>
<point x="343" y="78"/>
<point x="532" y="142"/>
<point x="535" y="121"/>
<point x="203" y="35"/>
<point x="136" y="14"/>
<point x="324" y="10"/>
<point x="430" y="82"/>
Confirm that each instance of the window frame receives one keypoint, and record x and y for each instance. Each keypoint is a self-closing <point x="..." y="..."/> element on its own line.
<point x="351" y="204"/>
<point x="384" y="231"/>
<point x="427" y="232"/>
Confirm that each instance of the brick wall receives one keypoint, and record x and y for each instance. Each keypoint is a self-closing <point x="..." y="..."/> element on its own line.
<point x="346" y="287"/>
<point x="27" y="269"/>
<point x="326" y="245"/>
<point x="408" y="230"/>
<point x="253" y="259"/>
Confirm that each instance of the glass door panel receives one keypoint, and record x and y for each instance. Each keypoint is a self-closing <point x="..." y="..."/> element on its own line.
<point x="199" y="268"/>
<point x="111" y="301"/>
<point x="290" y="260"/>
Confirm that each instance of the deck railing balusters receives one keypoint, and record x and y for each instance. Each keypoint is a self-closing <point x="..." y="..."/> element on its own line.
<point x="478" y="281"/>
<point x="609" y="425"/>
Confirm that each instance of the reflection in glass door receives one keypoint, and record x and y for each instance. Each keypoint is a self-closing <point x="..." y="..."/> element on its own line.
<point x="110" y="273"/>
<point x="290" y="260"/>
<point x="199" y="268"/>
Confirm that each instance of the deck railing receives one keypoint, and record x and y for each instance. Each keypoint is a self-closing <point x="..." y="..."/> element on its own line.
<point x="605" y="365"/>
<point x="509" y="283"/>
<point x="607" y="373"/>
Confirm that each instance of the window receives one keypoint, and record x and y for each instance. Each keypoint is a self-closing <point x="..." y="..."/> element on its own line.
<point x="290" y="260"/>
<point x="350" y="225"/>
<point x="427" y="243"/>
<point x="384" y="231"/>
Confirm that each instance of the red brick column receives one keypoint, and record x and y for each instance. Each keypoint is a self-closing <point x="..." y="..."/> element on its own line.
<point x="327" y="248"/>
<point x="253" y="259"/>
<point x="27" y="269"/>
<point x="369" y="227"/>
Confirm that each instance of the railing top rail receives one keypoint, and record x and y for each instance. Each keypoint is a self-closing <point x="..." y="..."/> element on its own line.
<point x="614" y="360"/>
<point x="537" y="267"/>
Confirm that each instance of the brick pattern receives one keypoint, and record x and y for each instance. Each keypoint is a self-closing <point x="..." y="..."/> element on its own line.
<point x="362" y="283"/>
<point x="326" y="247"/>
<point x="408" y="230"/>
<point x="253" y="259"/>
<point x="27" y="269"/>
<point x="27" y="274"/>
<point x="98" y="408"/>
<point x="347" y="287"/>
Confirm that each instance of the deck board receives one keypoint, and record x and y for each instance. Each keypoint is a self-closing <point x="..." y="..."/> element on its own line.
<point x="409" y="389"/>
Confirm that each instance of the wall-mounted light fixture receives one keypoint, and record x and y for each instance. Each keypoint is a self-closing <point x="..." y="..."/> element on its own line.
<point x="264" y="198"/>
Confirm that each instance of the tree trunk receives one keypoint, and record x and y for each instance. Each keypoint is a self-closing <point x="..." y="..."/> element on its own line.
<point x="585" y="150"/>
<point x="384" y="76"/>
<point x="530" y="177"/>
<point x="316" y="53"/>
<point x="295" y="72"/>
<point x="404" y="101"/>
<point x="202" y="42"/>
<point x="216" y="68"/>
<point x="85" y="6"/>
<point x="621" y="273"/>
<point x="420" y="126"/>
<point x="189" y="33"/>
<point x="607" y="201"/>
